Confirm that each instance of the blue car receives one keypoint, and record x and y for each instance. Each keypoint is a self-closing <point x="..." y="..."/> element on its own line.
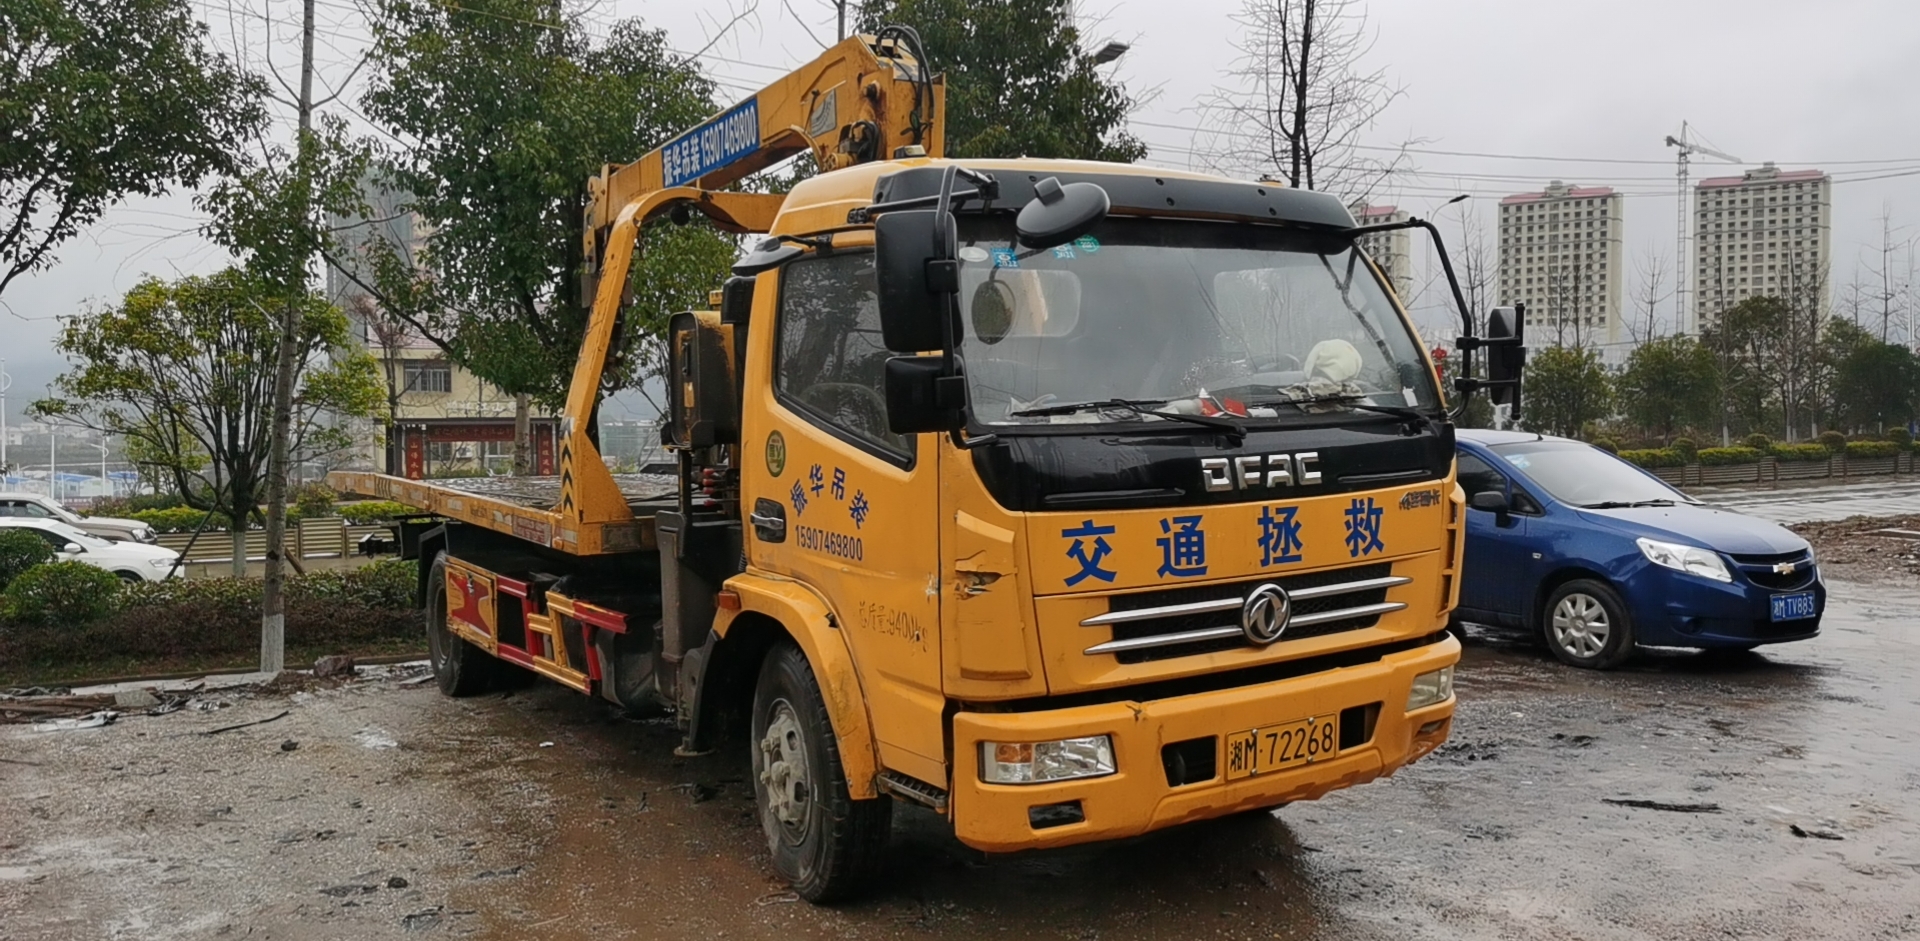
<point x="1598" y="556"/>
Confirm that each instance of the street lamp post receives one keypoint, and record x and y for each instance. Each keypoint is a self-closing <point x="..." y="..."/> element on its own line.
<point x="5" y="382"/>
<point x="106" y="483"/>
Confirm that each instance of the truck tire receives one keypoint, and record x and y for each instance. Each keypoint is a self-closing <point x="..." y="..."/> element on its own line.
<point x="1586" y="625"/>
<point x="461" y="668"/>
<point x="824" y="843"/>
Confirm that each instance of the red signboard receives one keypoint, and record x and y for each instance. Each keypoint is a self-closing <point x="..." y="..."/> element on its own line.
<point x="416" y="451"/>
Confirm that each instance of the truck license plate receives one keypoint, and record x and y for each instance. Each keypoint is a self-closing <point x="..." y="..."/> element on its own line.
<point x="1793" y="607"/>
<point x="1269" y="749"/>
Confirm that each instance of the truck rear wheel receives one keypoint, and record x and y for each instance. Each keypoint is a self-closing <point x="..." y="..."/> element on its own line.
<point x="461" y="668"/>
<point x="827" y="845"/>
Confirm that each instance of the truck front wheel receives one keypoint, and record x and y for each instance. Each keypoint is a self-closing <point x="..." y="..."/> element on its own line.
<point x="461" y="668"/>
<point x="827" y="845"/>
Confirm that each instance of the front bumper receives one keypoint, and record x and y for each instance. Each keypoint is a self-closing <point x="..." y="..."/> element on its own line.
<point x="1137" y="798"/>
<point x="1674" y="609"/>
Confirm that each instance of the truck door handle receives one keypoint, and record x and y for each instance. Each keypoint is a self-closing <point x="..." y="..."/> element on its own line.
<point x="769" y="520"/>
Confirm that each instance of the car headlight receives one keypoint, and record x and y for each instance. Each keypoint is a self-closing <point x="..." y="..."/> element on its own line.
<point x="1430" y="688"/>
<point x="1690" y="559"/>
<point x="1040" y="762"/>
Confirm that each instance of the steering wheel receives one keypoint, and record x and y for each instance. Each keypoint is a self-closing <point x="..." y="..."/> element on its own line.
<point x="829" y="396"/>
<point x="1275" y="362"/>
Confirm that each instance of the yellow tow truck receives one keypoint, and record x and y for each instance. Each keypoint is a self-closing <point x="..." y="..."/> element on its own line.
<point x="1071" y="500"/>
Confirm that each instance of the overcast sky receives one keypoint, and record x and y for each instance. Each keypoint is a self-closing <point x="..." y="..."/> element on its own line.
<point x="1596" y="86"/>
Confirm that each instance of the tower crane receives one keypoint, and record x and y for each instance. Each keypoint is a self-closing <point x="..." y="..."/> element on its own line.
<point x="1688" y="147"/>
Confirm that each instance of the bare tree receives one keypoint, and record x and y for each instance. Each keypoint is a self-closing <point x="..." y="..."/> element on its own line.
<point x="1300" y="98"/>
<point x="1889" y="287"/>
<point x="1649" y="292"/>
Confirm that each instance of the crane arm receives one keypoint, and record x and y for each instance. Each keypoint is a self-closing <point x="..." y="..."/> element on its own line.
<point x="869" y="97"/>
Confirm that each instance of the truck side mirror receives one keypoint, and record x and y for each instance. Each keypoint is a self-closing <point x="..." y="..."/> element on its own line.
<point x="1506" y="360"/>
<point x="918" y="278"/>
<point x="701" y="411"/>
<point x="921" y="398"/>
<point x="1059" y="214"/>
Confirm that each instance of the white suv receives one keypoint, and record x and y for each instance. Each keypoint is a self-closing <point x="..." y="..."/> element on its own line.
<point x="129" y="560"/>
<point x="35" y="506"/>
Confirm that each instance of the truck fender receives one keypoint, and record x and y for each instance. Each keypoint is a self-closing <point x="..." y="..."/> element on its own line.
<point x="808" y="619"/>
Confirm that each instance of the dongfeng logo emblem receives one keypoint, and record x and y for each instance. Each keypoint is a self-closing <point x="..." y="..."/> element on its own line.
<point x="1265" y="613"/>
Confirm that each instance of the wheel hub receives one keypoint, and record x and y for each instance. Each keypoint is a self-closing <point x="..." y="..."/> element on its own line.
<point x="783" y="768"/>
<point x="1580" y="625"/>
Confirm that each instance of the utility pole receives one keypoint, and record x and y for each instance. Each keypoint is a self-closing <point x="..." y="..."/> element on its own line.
<point x="273" y="604"/>
<point x="6" y="382"/>
<point x="840" y="19"/>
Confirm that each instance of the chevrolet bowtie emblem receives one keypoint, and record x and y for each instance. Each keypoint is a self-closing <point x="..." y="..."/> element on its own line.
<point x="1784" y="568"/>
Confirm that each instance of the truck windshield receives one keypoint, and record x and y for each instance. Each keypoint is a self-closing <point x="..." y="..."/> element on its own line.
<point x="1181" y="317"/>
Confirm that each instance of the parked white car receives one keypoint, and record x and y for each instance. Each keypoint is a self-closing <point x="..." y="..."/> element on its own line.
<point x="35" y="506"/>
<point x="132" y="561"/>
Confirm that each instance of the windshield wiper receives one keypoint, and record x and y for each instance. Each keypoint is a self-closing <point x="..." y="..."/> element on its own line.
<point x="1402" y="412"/>
<point x="1139" y="407"/>
<point x="1624" y="504"/>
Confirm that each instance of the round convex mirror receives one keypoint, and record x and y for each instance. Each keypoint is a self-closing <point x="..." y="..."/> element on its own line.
<point x="992" y="311"/>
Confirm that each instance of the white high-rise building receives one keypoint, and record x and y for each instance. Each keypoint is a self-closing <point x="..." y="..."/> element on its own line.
<point x="1560" y="255"/>
<point x="1762" y="233"/>
<point x="1391" y="250"/>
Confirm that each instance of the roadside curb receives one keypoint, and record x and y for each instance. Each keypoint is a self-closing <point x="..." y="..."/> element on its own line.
<point x="197" y="674"/>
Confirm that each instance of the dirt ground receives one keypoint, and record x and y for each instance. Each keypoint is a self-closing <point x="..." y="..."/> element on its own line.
<point x="1852" y="550"/>
<point x="1765" y="795"/>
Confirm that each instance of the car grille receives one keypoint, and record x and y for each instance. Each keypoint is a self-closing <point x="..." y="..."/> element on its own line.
<point x="1182" y="622"/>
<point x="1760" y="570"/>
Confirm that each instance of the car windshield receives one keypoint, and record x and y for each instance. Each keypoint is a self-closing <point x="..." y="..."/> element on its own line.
<point x="1184" y="317"/>
<point x="1586" y="476"/>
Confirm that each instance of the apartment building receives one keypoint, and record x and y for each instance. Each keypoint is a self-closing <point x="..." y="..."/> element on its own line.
<point x="1766" y="232"/>
<point x="1392" y="251"/>
<point x="1561" y="256"/>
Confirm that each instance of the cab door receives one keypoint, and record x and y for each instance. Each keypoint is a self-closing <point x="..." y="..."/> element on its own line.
<point x="860" y="504"/>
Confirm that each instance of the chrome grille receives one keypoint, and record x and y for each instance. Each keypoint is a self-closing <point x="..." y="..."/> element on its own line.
<point x="1181" y="622"/>
<point x="1759" y="569"/>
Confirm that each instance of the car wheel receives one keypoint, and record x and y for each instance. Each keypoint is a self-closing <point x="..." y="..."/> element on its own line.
<point x="824" y="843"/>
<point x="1586" y="625"/>
<point x="130" y="576"/>
<point x="460" y="668"/>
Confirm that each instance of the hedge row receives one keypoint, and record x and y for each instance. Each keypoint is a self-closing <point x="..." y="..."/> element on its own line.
<point x="341" y="611"/>
<point x="1750" y="454"/>
<point x="1654" y="457"/>
<point x="185" y="519"/>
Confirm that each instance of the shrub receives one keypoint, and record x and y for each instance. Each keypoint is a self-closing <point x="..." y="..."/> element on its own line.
<point x="180" y="519"/>
<point x="1800" y="452"/>
<point x="1685" y="446"/>
<point x="1872" y="449"/>
<point x="1655" y="457"/>
<point x="1901" y="438"/>
<point x="62" y="594"/>
<point x="20" y="550"/>
<point x="376" y="511"/>
<point x="1607" y="444"/>
<point x="1723" y="456"/>
<point x="1759" y="442"/>
<point x="1833" y="441"/>
<point x="313" y="500"/>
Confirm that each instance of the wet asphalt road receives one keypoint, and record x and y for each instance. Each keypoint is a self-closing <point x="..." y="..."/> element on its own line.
<point x="1807" y="504"/>
<point x="1508" y="832"/>
<point x="541" y="815"/>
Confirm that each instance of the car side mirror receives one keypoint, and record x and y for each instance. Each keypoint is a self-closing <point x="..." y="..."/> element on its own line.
<point x="1492" y="501"/>
<point x="919" y="280"/>
<point x="72" y="548"/>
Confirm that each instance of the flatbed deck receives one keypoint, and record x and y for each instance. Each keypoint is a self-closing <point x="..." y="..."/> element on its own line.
<point x="523" y="507"/>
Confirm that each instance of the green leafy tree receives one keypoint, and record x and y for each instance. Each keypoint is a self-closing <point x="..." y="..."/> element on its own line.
<point x="1018" y="82"/>
<point x="184" y="370"/>
<point x="101" y="100"/>
<point x="1566" y="388"/>
<point x="1668" y="384"/>
<point x="20" y="550"/>
<point x="507" y="107"/>
<point x="1875" y="384"/>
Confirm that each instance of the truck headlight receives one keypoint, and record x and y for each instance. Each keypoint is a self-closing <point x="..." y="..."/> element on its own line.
<point x="1040" y="762"/>
<point x="1690" y="559"/>
<point x="1430" y="688"/>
